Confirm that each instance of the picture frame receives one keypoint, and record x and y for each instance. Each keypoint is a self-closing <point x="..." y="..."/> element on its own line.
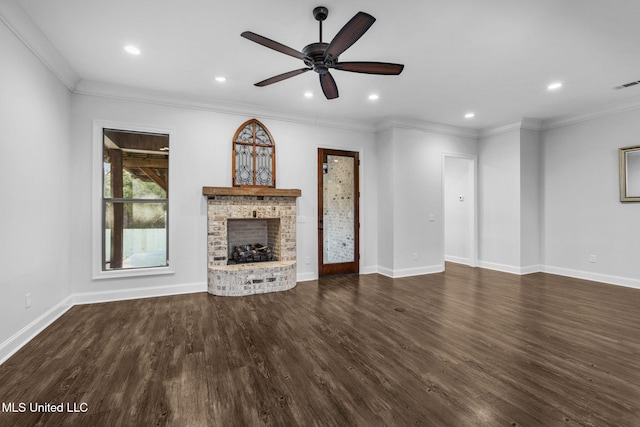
<point x="630" y="174"/>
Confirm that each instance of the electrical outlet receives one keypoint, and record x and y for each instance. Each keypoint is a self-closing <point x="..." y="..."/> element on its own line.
<point x="415" y="256"/>
<point x="307" y="260"/>
<point x="27" y="300"/>
<point x="593" y="259"/>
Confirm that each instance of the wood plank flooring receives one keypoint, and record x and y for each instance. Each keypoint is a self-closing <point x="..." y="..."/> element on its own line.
<point x="468" y="347"/>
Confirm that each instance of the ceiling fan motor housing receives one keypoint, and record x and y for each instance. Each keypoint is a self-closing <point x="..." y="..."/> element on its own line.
<point x="314" y="57"/>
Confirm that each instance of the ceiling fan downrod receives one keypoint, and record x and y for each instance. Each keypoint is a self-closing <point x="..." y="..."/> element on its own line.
<point x="320" y="13"/>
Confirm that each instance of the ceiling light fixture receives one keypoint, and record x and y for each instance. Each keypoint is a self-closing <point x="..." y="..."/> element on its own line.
<point x="221" y="79"/>
<point x="373" y="97"/>
<point x="469" y="115"/>
<point x="554" y="86"/>
<point x="132" y="50"/>
<point x="308" y="94"/>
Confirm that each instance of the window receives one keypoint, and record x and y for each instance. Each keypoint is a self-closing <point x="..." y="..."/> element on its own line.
<point x="135" y="200"/>
<point x="254" y="156"/>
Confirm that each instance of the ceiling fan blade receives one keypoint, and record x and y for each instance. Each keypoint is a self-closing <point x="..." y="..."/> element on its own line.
<point x="370" y="67"/>
<point x="349" y="34"/>
<point x="329" y="86"/>
<point x="280" y="77"/>
<point x="272" y="44"/>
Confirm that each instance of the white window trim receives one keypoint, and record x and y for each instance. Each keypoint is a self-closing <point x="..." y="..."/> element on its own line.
<point x="96" y="203"/>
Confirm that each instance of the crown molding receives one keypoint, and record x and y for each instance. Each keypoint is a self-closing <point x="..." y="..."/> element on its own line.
<point x="425" y="126"/>
<point x="103" y="90"/>
<point x="531" y="124"/>
<point x="16" y="19"/>
<point x="525" y="123"/>
<point x="496" y="130"/>
<point x="592" y="114"/>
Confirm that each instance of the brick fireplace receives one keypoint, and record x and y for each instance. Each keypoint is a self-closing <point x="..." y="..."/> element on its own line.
<point x="272" y="209"/>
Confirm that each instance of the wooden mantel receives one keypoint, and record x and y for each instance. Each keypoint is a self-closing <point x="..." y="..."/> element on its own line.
<point x="250" y="191"/>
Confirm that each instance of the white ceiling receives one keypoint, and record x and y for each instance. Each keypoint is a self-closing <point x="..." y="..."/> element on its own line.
<point x="492" y="57"/>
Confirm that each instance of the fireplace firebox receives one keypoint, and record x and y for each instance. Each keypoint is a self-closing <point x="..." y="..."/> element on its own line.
<point x="253" y="240"/>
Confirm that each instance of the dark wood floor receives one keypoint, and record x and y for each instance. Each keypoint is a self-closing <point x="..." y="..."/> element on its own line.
<point x="468" y="347"/>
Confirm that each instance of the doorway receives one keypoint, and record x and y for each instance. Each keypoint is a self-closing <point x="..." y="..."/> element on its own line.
<point x="460" y="209"/>
<point x="338" y="212"/>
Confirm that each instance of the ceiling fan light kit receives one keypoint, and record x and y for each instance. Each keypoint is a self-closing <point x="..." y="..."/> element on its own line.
<point x="321" y="57"/>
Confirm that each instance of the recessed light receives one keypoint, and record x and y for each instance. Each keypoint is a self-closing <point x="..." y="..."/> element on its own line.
<point x="221" y="79"/>
<point x="132" y="50"/>
<point x="308" y="94"/>
<point x="554" y="86"/>
<point x="373" y="97"/>
<point x="469" y="115"/>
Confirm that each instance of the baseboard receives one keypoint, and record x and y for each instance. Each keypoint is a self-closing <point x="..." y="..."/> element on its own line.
<point x="306" y="277"/>
<point x="499" y="267"/>
<point x="513" y="269"/>
<point x="26" y="334"/>
<point x="531" y="269"/>
<point x="385" y="271"/>
<point x="407" y="272"/>
<point x="595" y="277"/>
<point x="372" y="269"/>
<point x="457" y="259"/>
<point x="137" y="293"/>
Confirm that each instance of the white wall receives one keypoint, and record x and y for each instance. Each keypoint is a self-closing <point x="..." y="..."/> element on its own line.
<point x="386" y="201"/>
<point x="499" y="201"/>
<point x="415" y="195"/>
<point x="201" y="156"/>
<point x="35" y="172"/>
<point x="530" y="208"/>
<point x="583" y="214"/>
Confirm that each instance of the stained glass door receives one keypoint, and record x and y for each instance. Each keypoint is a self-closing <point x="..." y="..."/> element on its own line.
<point x="338" y="212"/>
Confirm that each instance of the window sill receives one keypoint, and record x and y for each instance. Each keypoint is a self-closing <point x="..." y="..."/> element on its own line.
<point x="133" y="272"/>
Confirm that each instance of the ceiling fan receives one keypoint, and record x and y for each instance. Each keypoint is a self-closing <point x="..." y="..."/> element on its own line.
<point x="320" y="57"/>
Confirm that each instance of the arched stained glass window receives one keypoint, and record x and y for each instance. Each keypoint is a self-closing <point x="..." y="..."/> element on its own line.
<point x="254" y="156"/>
